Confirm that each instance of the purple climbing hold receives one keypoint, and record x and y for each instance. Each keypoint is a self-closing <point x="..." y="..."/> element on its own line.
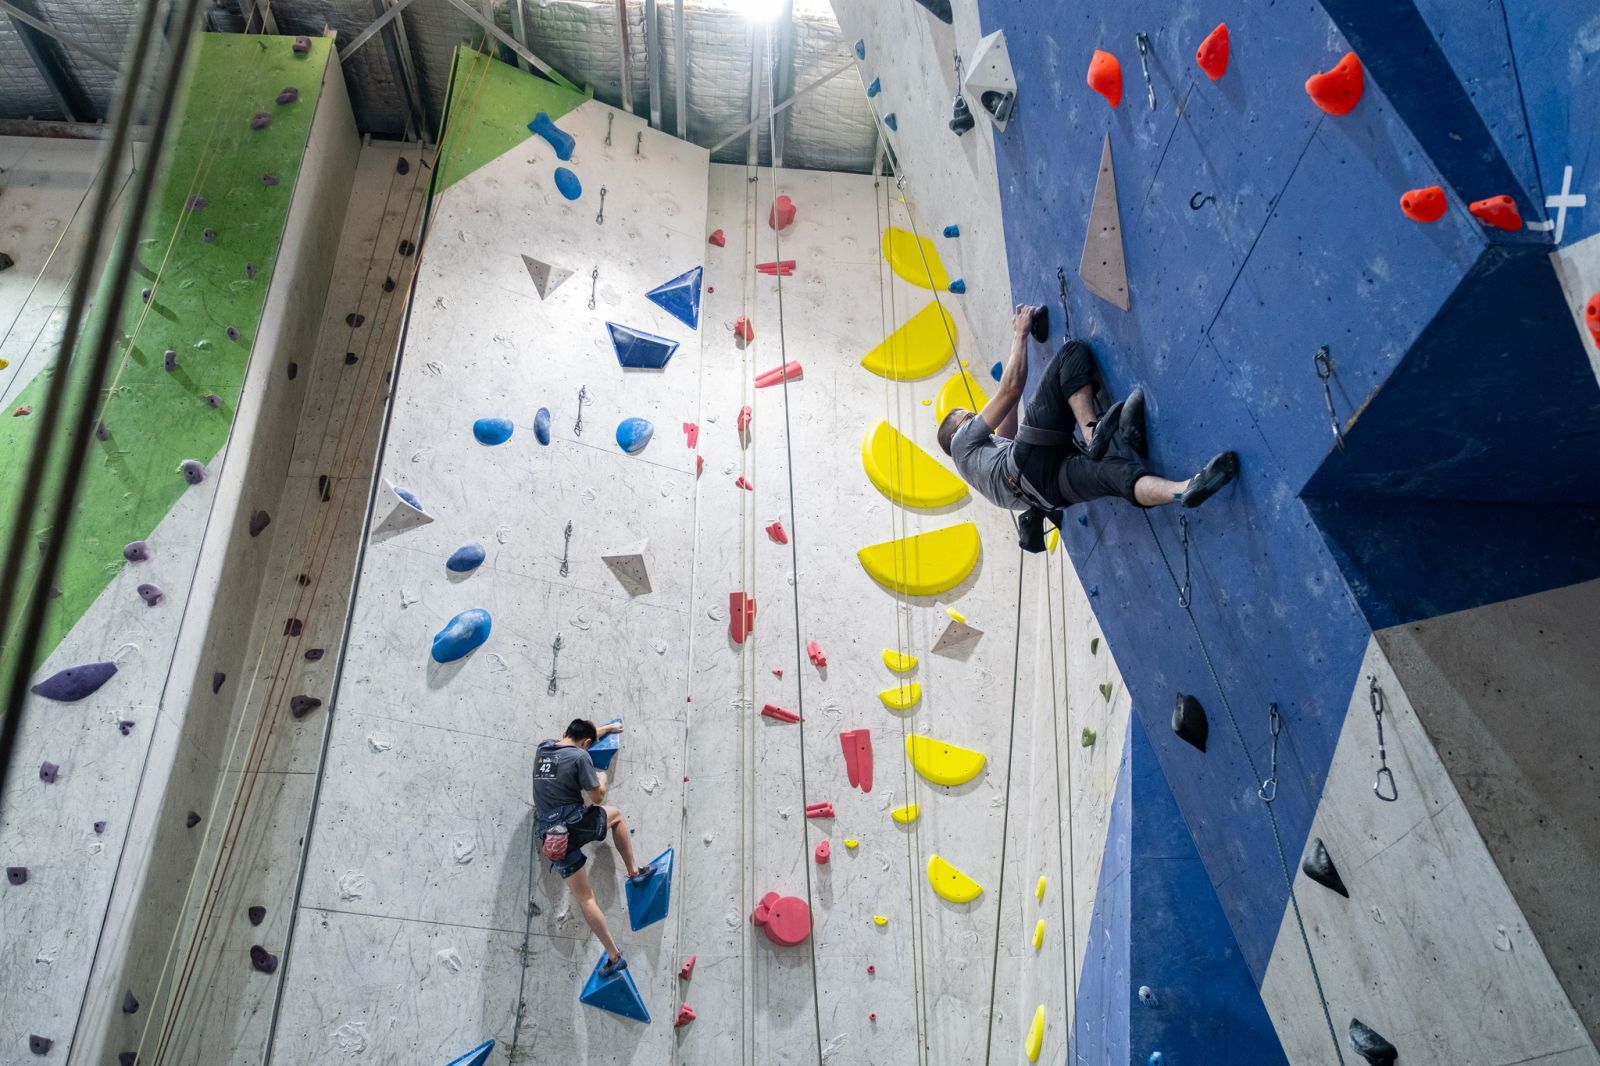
<point x="130" y="1005"/>
<point x="260" y="120"/>
<point x="150" y="594"/>
<point x="302" y="45"/>
<point x="351" y="359"/>
<point x="145" y="295"/>
<point x="258" y="522"/>
<point x="233" y="334"/>
<point x="48" y="771"/>
<point x="99" y="827"/>
<point x="75" y="682"/>
<point x="169" y="360"/>
<point x="354" y="320"/>
<point x="213" y="399"/>
<point x="263" y="960"/>
<point x="314" y="654"/>
<point x="216" y="681"/>
<point x="269" y="180"/>
<point x="125" y="726"/>
<point x="250" y="270"/>
<point x="17" y="875"/>
<point x="208" y="234"/>
<point x="127" y="1058"/>
<point x="292" y="627"/>
<point x="192" y="819"/>
<point x="294" y="371"/>
<point x="40" y="1045"/>
<point x="136" y="551"/>
<point x="101" y="432"/>
<point x="257" y="914"/>
<point x="300" y="706"/>
<point x="198" y="203"/>
<point x="193" y="471"/>
<point x="289" y="95"/>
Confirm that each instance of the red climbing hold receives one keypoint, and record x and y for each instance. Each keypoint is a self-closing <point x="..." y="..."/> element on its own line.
<point x="819" y="810"/>
<point x="1338" y="91"/>
<point x="744" y="418"/>
<point x="743" y="331"/>
<point x="777" y="533"/>
<point x="1498" y="211"/>
<point x="22" y="412"/>
<point x="790" y="371"/>
<point x="772" y="710"/>
<point x="1105" y="76"/>
<point x="1591" y="317"/>
<point x="1424" y="205"/>
<point x="717" y="239"/>
<point x="744" y="483"/>
<point x="741" y="616"/>
<point x="857" y="745"/>
<point x="823" y="853"/>
<point x="781" y="217"/>
<point x="686" y="971"/>
<point x="777" y="673"/>
<point x="781" y="268"/>
<point x="785" y="919"/>
<point x="814" y="650"/>
<point x="691" y="431"/>
<point x="699" y="465"/>
<point x="685" y="1016"/>
<point x="1212" y="55"/>
<point x="871" y="969"/>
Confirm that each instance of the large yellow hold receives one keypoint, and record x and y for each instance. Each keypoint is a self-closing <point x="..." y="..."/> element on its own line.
<point x="1035" y="1042"/>
<point x="905" y="473"/>
<point x="941" y="762"/>
<point x="902" y="698"/>
<point x="925" y="564"/>
<point x="962" y="390"/>
<point x="920" y="348"/>
<point x="914" y="258"/>
<point x="950" y="883"/>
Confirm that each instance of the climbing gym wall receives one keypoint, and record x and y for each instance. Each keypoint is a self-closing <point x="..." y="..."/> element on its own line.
<point x="1392" y="588"/>
<point x="121" y="740"/>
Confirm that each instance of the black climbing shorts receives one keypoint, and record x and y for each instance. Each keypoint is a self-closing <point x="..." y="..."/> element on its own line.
<point x="1070" y="369"/>
<point x="587" y="827"/>
<point x="1080" y="478"/>
<point x="1064" y="473"/>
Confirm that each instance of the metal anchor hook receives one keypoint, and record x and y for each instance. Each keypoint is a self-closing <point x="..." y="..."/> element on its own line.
<point x="600" y="219"/>
<point x="1066" y="319"/>
<point x="638" y="144"/>
<point x="583" y="398"/>
<point x="1200" y="199"/>
<point x="610" y="118"/>
<point x="566" y="547"/>
<point x="594" y="284"/>
<point x="555" y="650"/>
<point x="1183" y="535"/>
<point x="1324" y="364"/>
<point x="1269" y="788"/>
<point x="1375" y="699"/>
<point x="1144" y="65"/>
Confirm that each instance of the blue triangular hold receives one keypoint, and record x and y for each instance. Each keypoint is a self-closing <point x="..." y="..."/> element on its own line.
<point x="648" y="903"/>
<point x="639" y="350"/>
<point x="680" y="297"/>
<point x="602" y="751"/>
<point x="476" y="1057"/>
<point x="617" y="993"/>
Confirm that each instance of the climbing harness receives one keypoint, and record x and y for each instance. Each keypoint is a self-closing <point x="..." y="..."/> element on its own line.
<point x="600" y="220"/>
<point x="1269" y="788"/>
<point x="1375" y="698"/>
<point x="566" y="547"/>
<point x="1183" y="535"/>
<point x="594" y="281"/>
<point x="1200" y="199"/>
<point x="583" y="398"/>
<point x="555" y="651"/>
<point x="1144" y="65"/>
<point x="1324" y="365"/>
<point x="610" y="118"/>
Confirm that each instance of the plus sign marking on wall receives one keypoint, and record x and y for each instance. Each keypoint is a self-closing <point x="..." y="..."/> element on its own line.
<point x="1567" y="198"/>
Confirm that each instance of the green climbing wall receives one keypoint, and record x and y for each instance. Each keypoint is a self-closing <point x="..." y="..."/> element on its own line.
<point x="199" y="289"/>
<point x="487" y="115"/>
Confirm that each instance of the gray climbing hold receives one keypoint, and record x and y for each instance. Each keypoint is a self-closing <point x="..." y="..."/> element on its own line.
<point x="263" y="960"/>
<point x="125" y="726"/>
<point x="40" y="1045"/>
<point x="48" y="771"/>
<point x="289" y="95"/>
<point x="136" y="551"/>
<point x="193" y="471"/>
<point x="233" y="334"/>
<point x="250" y="271"/>
<point x="462" y="635"/>
<point x="300" y="706"/>
<point x="1147" y="996"/>
<point x="130" y="1005"/>
<point x="465" y="559"/>
<point x="260" y="120"/>
<point x="150" y="594"/>
<point x="258" y="522"/>
<point x="208" y="235"/>
<point x="17" y="875"/>
<point x="294" y="371"/>
<point x="302" y="45"/>
<point x="192" y="819"/>
<point x="269" y="180"/>
<point x="257" y="914"/>
<point x="198" y="203"/>
<point x="101" y="432"/>
<point x="541" y="425"/>
<point x="99" y="827"/>
<point x="216" y="681"/>
<point x="169" y="360"/>
<point x="492" y="431"/>
<point x="1370" y="1045"/>
<point x="213" y="399"/>
<point x="314" y="654"/>
<point x="1318" y="865"/>
<point x="75" y="682"/>
<point x="1189" y="721"/>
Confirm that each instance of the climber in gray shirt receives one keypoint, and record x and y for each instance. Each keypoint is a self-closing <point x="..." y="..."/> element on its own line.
<point x="1039" y="468"/>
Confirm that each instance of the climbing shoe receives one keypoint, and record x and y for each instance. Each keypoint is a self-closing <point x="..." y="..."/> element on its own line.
<point x="1030" y="530"/>
<point x="612" y="967"/>
<point x="1104" y="430"/>
<point x="1222" y="469"/>
<point x="643" y="875"/>
<point x="1131" y="424"/>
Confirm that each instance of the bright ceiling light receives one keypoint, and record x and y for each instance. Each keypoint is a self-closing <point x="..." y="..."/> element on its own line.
<point x="759" y="10"/>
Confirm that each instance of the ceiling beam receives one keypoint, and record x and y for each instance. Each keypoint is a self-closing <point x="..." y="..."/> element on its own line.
<point x="680" y="70"/>
<point x="783" y="77"/>
<point x="398" y="47"/>
<point x="25" y="16"/>
<point x="652" y="59"/>
<point x="758" y="41"/>
<point x="625" y="49"/>
<point x="755" y="120"/>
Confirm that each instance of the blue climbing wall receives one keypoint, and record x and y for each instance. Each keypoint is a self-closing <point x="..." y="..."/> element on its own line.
<point x="1257" y="229"/>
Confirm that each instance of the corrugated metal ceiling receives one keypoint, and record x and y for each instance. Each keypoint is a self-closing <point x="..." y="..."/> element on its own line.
<point x="831" y="128"/>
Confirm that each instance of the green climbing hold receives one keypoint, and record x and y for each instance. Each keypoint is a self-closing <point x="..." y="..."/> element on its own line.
<point x="1094" y="646"/>
<point x="1105" y="690"/>
<point x="1089" y="737"/>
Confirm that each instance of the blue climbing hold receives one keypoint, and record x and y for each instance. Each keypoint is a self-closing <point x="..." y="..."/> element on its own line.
<point x="567" y="183"/>
<point x="648" y="903"/>
<point x="617" y="993"/>
<point x="462" y="635"/>
<point x="633" y="434"/>
<point x="75" y="682"/>
<point x="952" y="231"/>
<point x="409" y="498"/>
<point x="679" y="297"/>
<point x="1155" y="1059"/>
<point x="638" y="350"/>
<point x="996" y="370"/>
<point x="874" y="87"/>
<point x="465" y="559"/>
<point x="861" y="49"/>
<point x="541" y="425"/>
<point x="544" y="126"/>
<point x="602" y="751"/>
<point x="479" y="1055"/>
<point x="892" y="122"/>
<point x="492" y="431"/>
<point x="958" y="286"/>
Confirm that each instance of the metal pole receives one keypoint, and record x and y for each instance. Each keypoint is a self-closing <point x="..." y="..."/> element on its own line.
<point x="652" y="57"/>
<point x="626" y="56"/>
<point x="681" y="71"/>
<point x="758" y="43"/>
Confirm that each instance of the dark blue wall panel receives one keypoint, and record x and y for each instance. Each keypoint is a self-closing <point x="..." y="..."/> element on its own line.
<point x="1101" y="1011"/>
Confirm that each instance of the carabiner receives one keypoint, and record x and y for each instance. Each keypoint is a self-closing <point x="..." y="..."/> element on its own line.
<point x="1377" y="785"/>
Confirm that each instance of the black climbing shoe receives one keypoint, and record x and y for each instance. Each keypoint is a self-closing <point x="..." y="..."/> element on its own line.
<point x="1030" y="529"/>
<point x="1222" y="469"/>
<point x="611" y="969"/>
<point x="1131" y="424"/>
<point x="1104" y="430"/>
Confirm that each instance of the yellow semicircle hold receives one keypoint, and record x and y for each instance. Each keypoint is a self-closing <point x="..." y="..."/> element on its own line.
<point x="907" y="814"/>
<point x="950" y="883"/>
<point x="914" y="258"/>
<point x="953" y="394"/>
<point x="899" y="662"/>
<point x="902" y="697"/>
<point x="905" y="473"/>
<point x="941" y="762"/>
<point x="920" y="348"/>
<point x="925" y="564"/>
<point x="1035" y="1042"/>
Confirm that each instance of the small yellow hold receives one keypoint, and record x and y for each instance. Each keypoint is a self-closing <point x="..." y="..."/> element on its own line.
<point x="852" y="843"/>
<point x="907" y="814"/>
<point x="1038" y="891"/>
<point x="956" y="615"/>
<point x="1052" y="540"/>
<point x="965" y="364"/>
<point x="898" y="662"/>
<point x="903" y="697"/>
<point x="950" y="883"/>
<point x="880" y="919"/>
<point x="1036" y="1035"/>
<point x="927" y="403"/>
<point x="5" y="363"/>
<point x="1038" y="934"/>
<point x="962" y="391"/>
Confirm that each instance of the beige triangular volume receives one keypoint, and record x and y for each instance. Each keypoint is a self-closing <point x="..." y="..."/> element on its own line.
<point x="546" y="278"/>
<point x="1103" y="269"/>
<point x="630" y="569"/>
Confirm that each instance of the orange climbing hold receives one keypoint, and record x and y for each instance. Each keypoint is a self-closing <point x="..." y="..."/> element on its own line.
<point x="781" y="216"/>
<point x="1338" y="91"/>
<point x="1591" y="317"/>
<point x="1497" y="211"/>
<point x="1424" y="205"/>
<point x="1212" y="55"/>
<point x="1105" y="76"/>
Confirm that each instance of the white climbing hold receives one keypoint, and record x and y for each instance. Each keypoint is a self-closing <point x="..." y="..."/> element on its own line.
<point x="661" y="647"/>
<point x="351" y="1038"/>
<point x="650" y="784"/>
<point x="450" y="959"/>
<point x="353" y="885"/>
<point x="378" y="744"/>
<point x="463" y="851"/>
<point x="629" y="567"/>
<point x="707" y="839"/>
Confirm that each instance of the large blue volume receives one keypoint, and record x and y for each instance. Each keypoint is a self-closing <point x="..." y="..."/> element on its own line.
<point x="638" y="350"/>
<point x="680" y="297"/>
<point x="477" y="1056"/>
<point x="617" y="993"/>
<point x="648" y="903"/>
<point x="602" y="751"/>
